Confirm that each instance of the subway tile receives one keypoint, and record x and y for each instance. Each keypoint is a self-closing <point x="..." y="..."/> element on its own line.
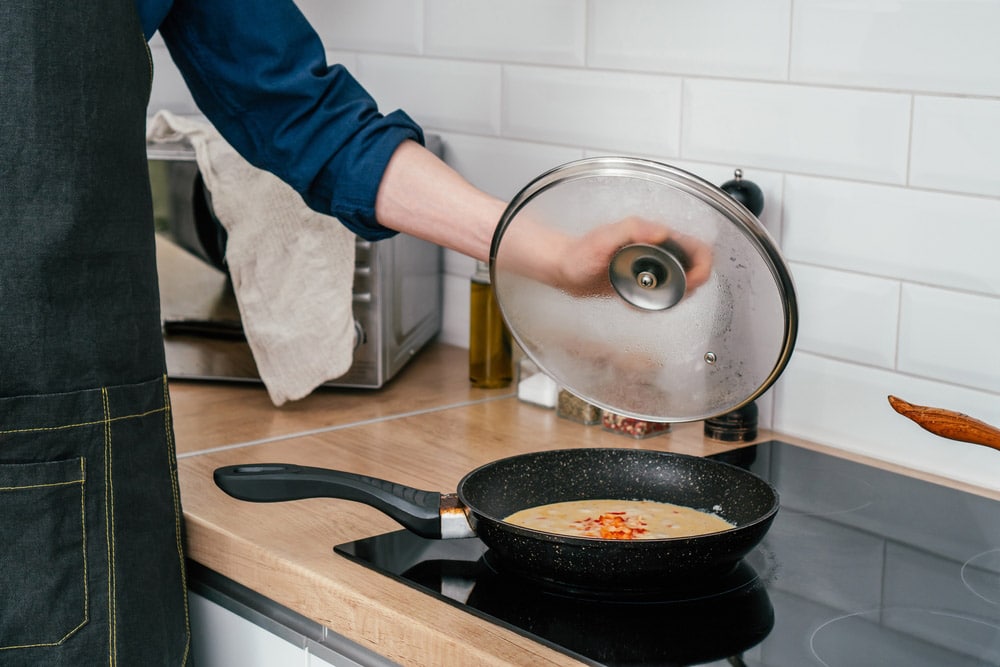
<point x="730" y="38"/>
<point x="346" y="58"/>
<point x="847" y="315"/>
<point x="455" y="318"/>
<point x="440" y="94"/>
<point x="920" y="45"/>
<point x="547" y="32"/>
<point x="928" y="237"/>
<point x="503" y="167"/>
<point x="844" y="405"/>
<point x="456" y="264"/>
<point x="615" y="111"/>
<point x="169" y="90"/>
<point x="950" y="336"/>
<point x="825" y="131"/>
<point x="955" y="144"/>
<point x="388" y="26"/>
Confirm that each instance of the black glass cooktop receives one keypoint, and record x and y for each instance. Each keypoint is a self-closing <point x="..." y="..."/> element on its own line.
<point x="862" y="567"/>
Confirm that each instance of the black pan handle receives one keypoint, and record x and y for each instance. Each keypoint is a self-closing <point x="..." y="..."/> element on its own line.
<point x="418" y="511"/>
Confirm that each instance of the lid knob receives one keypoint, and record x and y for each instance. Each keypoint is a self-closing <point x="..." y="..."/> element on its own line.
<point x="650" y="277"/>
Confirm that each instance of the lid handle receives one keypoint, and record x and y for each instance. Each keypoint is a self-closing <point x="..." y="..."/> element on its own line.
<point x="650" y="277"/>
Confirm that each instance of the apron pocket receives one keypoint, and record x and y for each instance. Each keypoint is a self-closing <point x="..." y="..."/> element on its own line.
<point x="43" y="551"/>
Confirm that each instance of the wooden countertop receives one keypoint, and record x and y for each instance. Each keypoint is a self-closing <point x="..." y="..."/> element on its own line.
<point x="426" y="429"/>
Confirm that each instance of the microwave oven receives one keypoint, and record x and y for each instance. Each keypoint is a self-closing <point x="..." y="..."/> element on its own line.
<point x="397" y="291"/>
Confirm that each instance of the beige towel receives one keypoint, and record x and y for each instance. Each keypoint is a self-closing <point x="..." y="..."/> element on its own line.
<point x="292" y="268"/>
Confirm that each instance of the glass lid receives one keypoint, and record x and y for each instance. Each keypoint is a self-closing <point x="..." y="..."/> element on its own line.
<point x="644" y="289"/>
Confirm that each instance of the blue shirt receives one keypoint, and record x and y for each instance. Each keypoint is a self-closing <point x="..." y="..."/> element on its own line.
<point x="258" y="72"/>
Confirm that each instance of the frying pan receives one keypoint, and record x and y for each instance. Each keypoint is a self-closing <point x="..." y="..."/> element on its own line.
<point x="495" y="490"/>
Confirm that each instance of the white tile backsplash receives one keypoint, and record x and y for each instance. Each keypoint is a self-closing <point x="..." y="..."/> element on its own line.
<point x="502" y="166"/>
<point x="956" y="144"/>
<point x="927" y="237"/>
<point x="847" y="315"/>
<point x="638" y="113"/>
<point x="709" y="38"/>
<point x="946" y="46"/>
<point x="457" y="295"/>
<point x="829" y="131"/>
<point x="535" y="31"/>
<point x="440" y="94"/>
<point x="950" y="336"/>
<point x="872" y="126"/>
<point x="386" y="26"/>
<point x="169" y="91"/>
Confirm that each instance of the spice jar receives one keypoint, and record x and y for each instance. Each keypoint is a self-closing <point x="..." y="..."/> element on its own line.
<point x="574" y="408"/>
<point x="636" y="428"/>
<point x="490" y="359"/>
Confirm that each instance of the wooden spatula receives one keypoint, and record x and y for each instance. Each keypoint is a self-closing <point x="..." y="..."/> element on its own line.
<point x="948" y="423"/>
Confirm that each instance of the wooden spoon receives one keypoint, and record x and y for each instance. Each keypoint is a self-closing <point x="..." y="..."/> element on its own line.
<point x="949" y="424"/>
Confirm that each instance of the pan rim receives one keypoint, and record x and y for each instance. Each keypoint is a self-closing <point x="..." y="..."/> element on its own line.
<point x="541" y="535"/>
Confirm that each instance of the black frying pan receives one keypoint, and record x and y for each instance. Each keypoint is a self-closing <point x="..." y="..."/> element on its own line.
<point x="493" y="491"/>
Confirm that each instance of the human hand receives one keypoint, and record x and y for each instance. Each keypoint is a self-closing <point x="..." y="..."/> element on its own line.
<point x="581" y="264"/>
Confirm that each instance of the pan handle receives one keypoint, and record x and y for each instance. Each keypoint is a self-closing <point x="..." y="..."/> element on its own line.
<point x="418" y="511"/>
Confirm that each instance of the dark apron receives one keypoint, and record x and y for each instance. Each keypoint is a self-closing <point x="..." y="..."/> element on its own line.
<point x="91" y="553"/>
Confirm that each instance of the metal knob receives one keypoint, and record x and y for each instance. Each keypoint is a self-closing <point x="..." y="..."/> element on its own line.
<point x="648" y="276"/>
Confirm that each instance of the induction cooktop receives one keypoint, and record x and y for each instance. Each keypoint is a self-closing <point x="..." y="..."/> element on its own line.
<point x="862" y="567"/>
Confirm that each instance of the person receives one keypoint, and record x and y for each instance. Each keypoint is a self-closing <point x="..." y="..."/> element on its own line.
<point x="91" y="535"/>
<point x="272" y="96"/>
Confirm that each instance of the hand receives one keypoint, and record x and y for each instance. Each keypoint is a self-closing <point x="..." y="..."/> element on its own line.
<point x="579" y="265"/>
<point x="585" y="260"/>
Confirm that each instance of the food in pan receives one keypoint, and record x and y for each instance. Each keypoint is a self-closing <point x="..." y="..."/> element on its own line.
<point x="619" y="519"/>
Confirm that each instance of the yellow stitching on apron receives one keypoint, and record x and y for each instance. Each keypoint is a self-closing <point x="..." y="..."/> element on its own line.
<point x="83" y="526"/>
<point x="178" y="528"/>
<point x="109" y="523"/>
<point x="40" y="486"/>
<point x="107" y="420"/>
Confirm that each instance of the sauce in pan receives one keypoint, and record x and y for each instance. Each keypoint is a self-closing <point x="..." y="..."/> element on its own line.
<point x="619" y="519"/>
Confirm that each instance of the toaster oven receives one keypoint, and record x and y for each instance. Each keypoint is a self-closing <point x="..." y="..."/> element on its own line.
<point x="397" y="291"/>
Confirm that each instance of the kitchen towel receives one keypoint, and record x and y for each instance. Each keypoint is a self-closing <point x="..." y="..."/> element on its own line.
<point x="292" y="268"/>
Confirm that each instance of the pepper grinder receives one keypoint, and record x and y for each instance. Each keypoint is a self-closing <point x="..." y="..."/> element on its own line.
<point x="740" y="425"/>
<point x="747" y="193"/>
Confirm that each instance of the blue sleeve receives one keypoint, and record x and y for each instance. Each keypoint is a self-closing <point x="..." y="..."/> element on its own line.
<point x="258" y="72"/>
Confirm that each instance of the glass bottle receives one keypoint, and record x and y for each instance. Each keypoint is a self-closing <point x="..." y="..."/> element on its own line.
<point x="490" y="359"/>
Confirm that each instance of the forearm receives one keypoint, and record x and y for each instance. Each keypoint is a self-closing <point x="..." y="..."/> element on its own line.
<point x="422" y="196"/>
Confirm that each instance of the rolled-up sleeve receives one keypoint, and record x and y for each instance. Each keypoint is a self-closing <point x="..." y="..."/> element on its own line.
<point x="258" y="72"/>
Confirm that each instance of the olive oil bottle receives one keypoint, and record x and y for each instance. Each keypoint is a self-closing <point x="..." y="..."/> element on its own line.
<point x="490" y="358"/>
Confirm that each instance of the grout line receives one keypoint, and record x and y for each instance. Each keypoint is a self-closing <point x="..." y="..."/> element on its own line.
<point x="336" y="427"/>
